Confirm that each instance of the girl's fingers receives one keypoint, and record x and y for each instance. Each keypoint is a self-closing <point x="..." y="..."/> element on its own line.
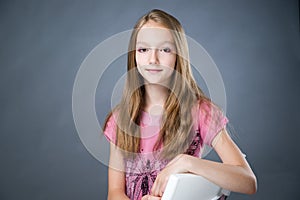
<point x="154" y="198"/>
<point x="175" y="166"/>
<point x="155" y="188"/>
<point x="149" y="197"/>
<point x="146" y="197"/>
<point x="159" y="184"/>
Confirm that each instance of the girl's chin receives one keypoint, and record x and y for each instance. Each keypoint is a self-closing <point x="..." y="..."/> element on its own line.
<point x="159" y="83"/>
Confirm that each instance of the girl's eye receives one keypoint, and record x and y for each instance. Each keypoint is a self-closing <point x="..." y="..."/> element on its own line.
<point x="142" y="50"/>
<point x="166" y="50"/>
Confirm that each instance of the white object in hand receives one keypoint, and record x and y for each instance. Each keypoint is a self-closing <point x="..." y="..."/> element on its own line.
<point x="191" y="186"/>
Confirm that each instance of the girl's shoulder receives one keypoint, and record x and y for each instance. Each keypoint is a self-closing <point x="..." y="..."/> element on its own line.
<point x="210" y="119"/>
<point x="110" y="126"/>
<point x="208" y="108"/>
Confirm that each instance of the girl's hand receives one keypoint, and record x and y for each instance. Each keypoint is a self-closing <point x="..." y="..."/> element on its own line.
<point x="177" y="165"/>
<point x="149" y="197"/>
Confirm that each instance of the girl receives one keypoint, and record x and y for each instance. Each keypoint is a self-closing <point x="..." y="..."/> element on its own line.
<point x="163" y="120"/>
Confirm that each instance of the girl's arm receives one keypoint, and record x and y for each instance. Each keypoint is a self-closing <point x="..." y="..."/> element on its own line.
<point x="233" y="174"/>
<point x="116" y="176"/>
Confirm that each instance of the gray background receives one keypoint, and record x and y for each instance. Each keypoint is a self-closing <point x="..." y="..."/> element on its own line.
<point x="255" y="44"/>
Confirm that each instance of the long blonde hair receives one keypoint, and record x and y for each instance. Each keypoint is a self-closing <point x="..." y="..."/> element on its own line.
<point x="175" y="133"/>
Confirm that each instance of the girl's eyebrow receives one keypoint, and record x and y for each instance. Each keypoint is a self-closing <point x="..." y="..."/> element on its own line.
<point x="161" y="43"/>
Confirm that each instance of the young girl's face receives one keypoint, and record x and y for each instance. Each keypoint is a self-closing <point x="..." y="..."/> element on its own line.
<point x="155" y="53"/>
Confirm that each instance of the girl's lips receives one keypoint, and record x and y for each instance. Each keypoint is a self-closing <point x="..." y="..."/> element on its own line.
<point x="154" y="70"/>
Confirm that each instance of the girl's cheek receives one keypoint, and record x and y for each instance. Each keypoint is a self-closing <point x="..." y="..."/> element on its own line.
<point x="141" y="60"/>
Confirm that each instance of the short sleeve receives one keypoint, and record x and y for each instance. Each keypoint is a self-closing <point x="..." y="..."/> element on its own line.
<point x="211" y="121"/>
<point x="110" y="130"/>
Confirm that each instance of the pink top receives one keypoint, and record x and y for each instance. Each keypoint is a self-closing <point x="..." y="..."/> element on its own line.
<point x="141" y="172"/>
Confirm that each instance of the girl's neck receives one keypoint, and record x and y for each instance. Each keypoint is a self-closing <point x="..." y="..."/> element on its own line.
<point x="156" y="96"/>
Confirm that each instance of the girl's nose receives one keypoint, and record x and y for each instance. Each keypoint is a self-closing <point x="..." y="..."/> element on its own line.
<point x="153" y="56"/>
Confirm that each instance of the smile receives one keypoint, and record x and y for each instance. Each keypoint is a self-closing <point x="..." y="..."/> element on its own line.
<point x="154" y="71"/>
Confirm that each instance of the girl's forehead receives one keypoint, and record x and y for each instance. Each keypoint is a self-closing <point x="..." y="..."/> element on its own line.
<point x="154" y="35"/>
